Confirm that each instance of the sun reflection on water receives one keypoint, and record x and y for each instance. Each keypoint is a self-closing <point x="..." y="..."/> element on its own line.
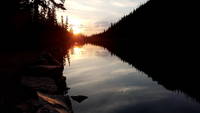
<point x="76" y="52"/>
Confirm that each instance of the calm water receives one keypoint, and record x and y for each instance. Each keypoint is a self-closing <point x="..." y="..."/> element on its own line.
<point x="113" y="86"/>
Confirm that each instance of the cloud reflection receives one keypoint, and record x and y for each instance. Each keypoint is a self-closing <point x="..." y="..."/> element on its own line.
<point x="115" y="87"/>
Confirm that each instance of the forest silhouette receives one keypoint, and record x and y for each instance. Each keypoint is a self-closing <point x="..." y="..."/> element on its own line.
<point x="32" y="24"/>
<point x="33" y="48"/>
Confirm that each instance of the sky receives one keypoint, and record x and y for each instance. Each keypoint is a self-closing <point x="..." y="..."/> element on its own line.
<point x="93" y="16"/>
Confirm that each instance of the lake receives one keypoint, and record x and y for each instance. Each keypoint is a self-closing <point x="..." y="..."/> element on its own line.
<point x="114" y="86"/>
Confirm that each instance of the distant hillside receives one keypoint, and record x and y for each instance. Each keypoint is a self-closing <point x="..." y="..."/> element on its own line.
<point x="164" y="31"/>
<point x="157" y="19"/>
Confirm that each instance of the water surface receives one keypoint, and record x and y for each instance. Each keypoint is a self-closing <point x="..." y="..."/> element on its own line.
<point x="114" y="86"/>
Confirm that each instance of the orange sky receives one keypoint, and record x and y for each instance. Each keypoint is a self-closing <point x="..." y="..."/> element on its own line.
<point x="93" y="16"/>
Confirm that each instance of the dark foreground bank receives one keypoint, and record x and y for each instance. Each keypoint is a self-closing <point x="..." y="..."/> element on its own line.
<point x="32" y="82"/>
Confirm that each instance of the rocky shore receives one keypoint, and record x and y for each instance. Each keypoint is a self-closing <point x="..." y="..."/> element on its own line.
<point x="36" y="87"/>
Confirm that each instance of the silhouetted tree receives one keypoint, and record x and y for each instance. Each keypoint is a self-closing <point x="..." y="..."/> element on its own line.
<point x="62" y="22"/>
<point x="66" y="24"/>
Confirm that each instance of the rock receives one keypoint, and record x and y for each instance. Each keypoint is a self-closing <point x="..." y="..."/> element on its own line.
<point x="44" y="84"/>
<point x="79" y="98"/>
<point x="59" y="103"/>
<point x="44" y="70"/>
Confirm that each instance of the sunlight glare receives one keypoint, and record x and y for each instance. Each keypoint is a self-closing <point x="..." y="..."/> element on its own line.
<point x="76" y="30"/>
<point x="77" y="51"/>
<point x="75" y="25"/>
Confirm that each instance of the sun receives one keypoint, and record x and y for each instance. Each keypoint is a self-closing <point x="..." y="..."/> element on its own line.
<point x="76" y="30"/>
<point x="75" y="26"/>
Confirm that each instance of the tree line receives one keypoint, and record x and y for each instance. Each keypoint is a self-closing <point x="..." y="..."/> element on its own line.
<point x="31" y="23"/>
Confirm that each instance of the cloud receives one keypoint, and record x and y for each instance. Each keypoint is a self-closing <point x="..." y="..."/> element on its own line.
<point x="75" y="5"/>
<point x="125" y="4"/>
<point x="102" y="24"/>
